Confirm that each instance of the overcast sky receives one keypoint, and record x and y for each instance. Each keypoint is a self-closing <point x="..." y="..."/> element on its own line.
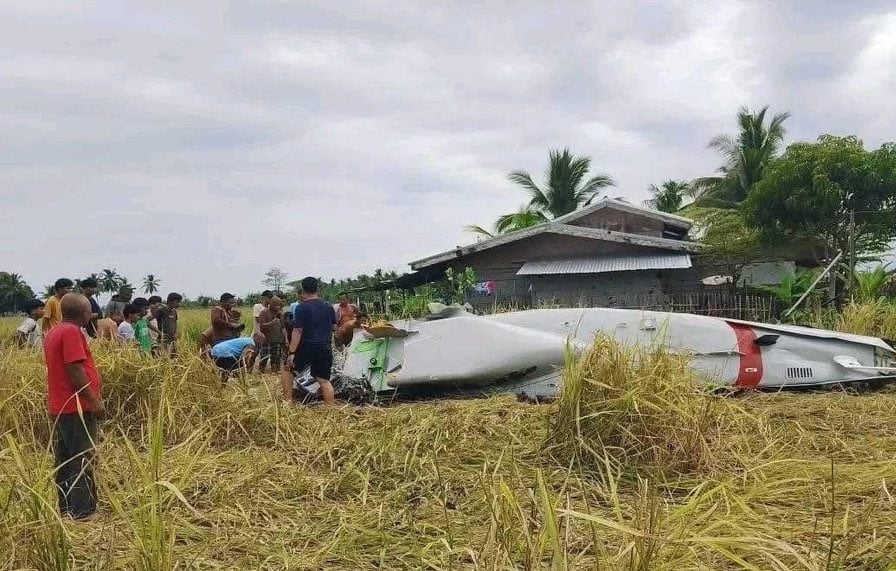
<point x="206" y="143"/>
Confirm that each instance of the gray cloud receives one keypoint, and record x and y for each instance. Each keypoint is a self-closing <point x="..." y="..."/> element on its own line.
<point x="207" y="144"/>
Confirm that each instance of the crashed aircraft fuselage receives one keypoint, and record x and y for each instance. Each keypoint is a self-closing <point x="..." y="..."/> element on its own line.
<point x="524" y="352"/>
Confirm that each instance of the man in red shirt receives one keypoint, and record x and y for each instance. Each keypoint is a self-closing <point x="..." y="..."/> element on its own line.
<point x="75" y="405"/>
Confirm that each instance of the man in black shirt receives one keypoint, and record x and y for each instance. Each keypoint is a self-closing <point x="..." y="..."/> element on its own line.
<point x="311" y="342"/>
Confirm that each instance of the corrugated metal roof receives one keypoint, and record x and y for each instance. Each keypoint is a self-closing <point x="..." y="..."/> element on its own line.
<point x="600" y="264"/>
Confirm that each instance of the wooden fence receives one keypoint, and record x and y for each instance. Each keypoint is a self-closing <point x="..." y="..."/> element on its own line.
<point x="738" y="305"/>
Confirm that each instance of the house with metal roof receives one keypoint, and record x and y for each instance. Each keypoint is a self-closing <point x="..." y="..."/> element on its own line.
<point x="601" y="255"/>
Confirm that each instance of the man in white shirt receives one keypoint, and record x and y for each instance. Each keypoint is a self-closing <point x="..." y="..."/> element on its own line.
<point x="29" y="333"/>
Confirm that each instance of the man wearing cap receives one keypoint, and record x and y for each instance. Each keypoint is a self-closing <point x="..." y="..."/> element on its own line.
<point x="226" y="322"/>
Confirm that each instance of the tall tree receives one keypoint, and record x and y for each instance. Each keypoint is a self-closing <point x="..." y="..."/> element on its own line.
<point x="14" y="292"/>
<point x="566" y="185"/>
<point x="523" y="218"/>
<point x="151" y="284"/>
<point x="275" y="278"/>
<point x="669" y="196"/>
<point x="110" y="280"/>
<point x="832" y="192"/>
<point x="747" y="155"/>
<point x="729" y="244"/>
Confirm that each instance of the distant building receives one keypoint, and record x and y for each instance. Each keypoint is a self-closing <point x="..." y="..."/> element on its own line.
<point x="599" y="255"/>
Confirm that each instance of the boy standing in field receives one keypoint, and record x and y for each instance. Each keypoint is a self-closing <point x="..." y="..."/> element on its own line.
<point x="141" y="326"/>
<point x="271" y="326"/>
<point x="311" y="344"/>
<point x="257" y="309"/>
<point x="166" y="317"/>
<point x="74" y="403"/>
<point x="153" y="322"/>
<point x="52" y="308"/>
<point x="126" y="331"/>
<point x="29" y="333"/>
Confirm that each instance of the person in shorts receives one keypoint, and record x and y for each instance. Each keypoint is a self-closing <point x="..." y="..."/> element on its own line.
<point x="271" y="325"/>
<point x="311" y="342"/>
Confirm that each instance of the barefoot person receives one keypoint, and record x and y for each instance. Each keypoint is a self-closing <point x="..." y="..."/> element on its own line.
<point x="311" y="343"/>
<point x="73" y="389"/>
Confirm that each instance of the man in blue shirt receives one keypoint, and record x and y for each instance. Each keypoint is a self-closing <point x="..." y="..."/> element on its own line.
<point x="311" y="342"/>
<point x="232" y="355"/>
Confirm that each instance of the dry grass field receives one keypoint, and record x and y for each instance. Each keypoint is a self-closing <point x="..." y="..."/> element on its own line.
<point x="633" y="468"/>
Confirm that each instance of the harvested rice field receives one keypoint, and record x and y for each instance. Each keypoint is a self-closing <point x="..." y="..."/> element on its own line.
<point x="634" y="468"/>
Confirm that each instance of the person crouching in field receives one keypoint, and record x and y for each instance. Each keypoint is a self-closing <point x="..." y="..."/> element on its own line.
<point x="233" y="355"/>
<point x="74" y="403"/>
<point x="29" y="333"/>
<point x="271" y="325"/>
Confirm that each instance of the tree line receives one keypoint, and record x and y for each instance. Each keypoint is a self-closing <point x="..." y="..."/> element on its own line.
<point x="15" y="291"/>
<point x="812" y="200"/>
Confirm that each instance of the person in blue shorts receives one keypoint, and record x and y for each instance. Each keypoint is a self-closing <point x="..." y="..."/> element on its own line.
<point x="311" y="342"/>
<point x="233" y="355"/>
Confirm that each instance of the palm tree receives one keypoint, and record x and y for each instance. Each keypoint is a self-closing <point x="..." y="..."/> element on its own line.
<point x="110" y="280"/>
<point x="13" y="291"/>
<point x="669" y="196"/>
<point x="151" y="284"/>
<point x="565" y="186"/>
<point x="519" y="220"/>
<point x="747" y="157"/>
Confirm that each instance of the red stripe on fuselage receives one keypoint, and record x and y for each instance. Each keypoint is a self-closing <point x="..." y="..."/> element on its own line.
<point x="749" y="372"/>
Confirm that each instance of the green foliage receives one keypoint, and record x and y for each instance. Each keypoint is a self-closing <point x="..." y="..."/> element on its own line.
<point x="459" y="283"/>
<point x="669" y="196"/>
<point x="747" y="158"/>
<point x="728" y="242"/>
<point x="791" y="288"/>
<point x="871" y="285"/>
<point x="811" y="190"/>
<point x="565" y="188"/>
<point x="110" y="280"/>
<point x="151" y="284"/>
<point x="13" y="292"/>
<point x="524" y="218"/>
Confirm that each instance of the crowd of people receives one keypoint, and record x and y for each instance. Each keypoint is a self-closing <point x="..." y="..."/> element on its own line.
<point x="149" y="323"/>
<point x="299" y="338"/>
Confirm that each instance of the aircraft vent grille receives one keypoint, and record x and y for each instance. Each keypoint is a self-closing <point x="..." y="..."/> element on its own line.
<point x="799" y="372"/>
